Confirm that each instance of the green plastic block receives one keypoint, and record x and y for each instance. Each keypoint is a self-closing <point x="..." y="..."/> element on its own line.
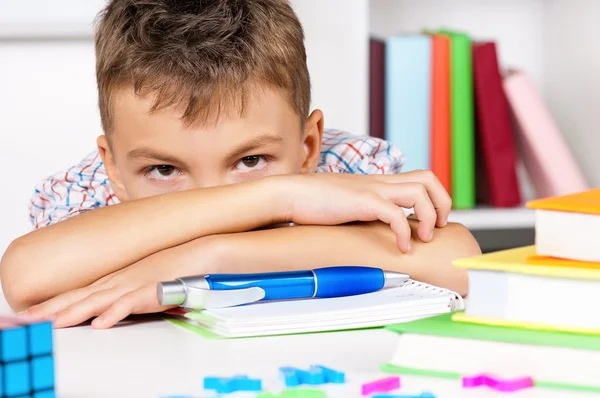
<point x="295" y="393"/>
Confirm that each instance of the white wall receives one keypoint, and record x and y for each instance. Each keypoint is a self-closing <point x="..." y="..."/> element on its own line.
<point x="572" y="77"/>
<point x="337" y="49"/>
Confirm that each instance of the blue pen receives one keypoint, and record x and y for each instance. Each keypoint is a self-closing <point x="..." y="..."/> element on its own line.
<point x="227" y="290"/>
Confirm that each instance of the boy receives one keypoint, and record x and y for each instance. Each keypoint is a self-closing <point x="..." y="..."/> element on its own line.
<point x="208" y="140"/>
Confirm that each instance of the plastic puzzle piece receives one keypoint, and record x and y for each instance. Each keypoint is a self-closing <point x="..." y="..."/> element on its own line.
<point x="26" y="357"/>
<point x="40" y="339"/>
<point x="42" y="373"/>
<point x="314" y="375"/>
<point x="497" y="383"/>
<point x="44" y="394"/>
<point x="381" y="385"/>
<point x="13" y="343"/>
<point x="421" y="395"/>
<point x="232" y="384"/>
<point x="295" y="393"/>
<point x="16" y="378"/>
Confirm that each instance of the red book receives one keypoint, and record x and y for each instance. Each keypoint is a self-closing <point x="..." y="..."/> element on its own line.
<point x="441" y="131"/>
<point x="377" y="88"/>
<point x="498" y="180"/>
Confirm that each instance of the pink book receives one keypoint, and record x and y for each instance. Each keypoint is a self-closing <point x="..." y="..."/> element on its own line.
<point x="546" y="156"/>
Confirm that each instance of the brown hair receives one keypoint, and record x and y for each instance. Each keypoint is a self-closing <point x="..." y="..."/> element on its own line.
<point x="201" y="55"/>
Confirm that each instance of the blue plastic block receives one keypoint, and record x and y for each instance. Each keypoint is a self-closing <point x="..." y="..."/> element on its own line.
<point x="42" y="372"/>
<point x="312" y="376"/>
<point x="290" y="376"/>
<point x="40" y="339"/>
<point x="331" y="376"/>
<point x="422" y="395"/>
<point x="16" y="379"/>
<point x="13" y="344"/>
<point x="315" y="375"/>
<point x="232" y="384"/>
<point x="44" y="394"/>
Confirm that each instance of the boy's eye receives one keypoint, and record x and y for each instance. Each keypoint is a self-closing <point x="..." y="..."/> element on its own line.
<point x="251" y="163"/>
<point x="162" y="172"/>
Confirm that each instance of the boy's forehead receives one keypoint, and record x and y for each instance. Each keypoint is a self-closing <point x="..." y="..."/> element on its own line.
<point x="262" y="104"/>
<point x="266" y="118"/>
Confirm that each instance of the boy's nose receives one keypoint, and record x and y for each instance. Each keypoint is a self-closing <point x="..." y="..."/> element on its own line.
<point x="208" y="182"/>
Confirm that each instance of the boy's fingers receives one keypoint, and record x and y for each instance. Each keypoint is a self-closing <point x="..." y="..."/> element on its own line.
<point x="386" y="211"/>
<point x="413" y="195"/>
<point x="442" y="202"/>
<point x="60" y="302"/>
<point x="91" y="306"/>
<point x="140" y="301"/>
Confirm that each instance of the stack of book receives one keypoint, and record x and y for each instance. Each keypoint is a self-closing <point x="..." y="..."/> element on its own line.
<point x="447" y="103"/>
<point x="530" y="312"/>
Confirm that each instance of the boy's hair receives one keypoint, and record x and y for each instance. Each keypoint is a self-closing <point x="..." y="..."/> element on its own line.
<point x="202" y="55"/>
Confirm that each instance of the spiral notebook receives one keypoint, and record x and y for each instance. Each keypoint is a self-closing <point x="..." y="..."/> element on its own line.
<point x="413" y="300"/>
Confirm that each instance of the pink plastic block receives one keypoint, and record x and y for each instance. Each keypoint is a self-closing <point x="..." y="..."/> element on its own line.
<point x="497" y="383"/>
<point x="382" y="385"/>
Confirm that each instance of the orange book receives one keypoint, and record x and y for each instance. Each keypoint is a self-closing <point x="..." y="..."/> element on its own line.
<point x="441" y="162"/>
<point x="546" y="261"/>
<point x="567" y="226"/>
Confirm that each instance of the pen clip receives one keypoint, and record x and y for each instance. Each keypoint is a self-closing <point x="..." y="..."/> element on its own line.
<point x="200" y="299"/>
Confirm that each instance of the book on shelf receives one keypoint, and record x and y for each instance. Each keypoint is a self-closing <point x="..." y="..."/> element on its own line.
<point x="496" y="152"/>
<point x="408" y="97"/>
<point x="551" y="166"/>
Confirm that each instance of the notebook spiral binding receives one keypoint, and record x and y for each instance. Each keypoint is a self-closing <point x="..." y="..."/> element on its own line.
<point x="456" y="302"/>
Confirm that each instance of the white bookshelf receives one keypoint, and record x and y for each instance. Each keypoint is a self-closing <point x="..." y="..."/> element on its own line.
<point x="494" y="219"/>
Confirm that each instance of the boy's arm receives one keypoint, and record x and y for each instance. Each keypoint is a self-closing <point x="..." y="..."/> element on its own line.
<point x="65" y="256"/>
<point x="133" y="290"/>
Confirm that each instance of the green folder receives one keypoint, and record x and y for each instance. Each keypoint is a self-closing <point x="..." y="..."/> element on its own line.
<point x="463" y="120"/>
<point x="442" y="325"/>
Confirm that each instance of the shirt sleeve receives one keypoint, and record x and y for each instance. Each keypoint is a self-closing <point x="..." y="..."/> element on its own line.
<point x="342" y="152"/>
<point x="70" y="192"/>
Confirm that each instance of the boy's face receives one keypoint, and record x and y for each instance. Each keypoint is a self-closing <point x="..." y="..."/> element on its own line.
<point x="156" y="153"/>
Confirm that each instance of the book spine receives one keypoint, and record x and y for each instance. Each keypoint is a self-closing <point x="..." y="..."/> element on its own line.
<point x="408" y="98"/>
<point x="463" y="129"/>
<point x="441" y="162"/>
<point x="550" y="165"/>
<point x="377" y="88"/>
<point x="497" y="153"/>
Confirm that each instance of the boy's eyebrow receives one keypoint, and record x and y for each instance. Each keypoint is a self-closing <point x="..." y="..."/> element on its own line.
<point x="254" y="143"/>
<point x="149" y="153"/>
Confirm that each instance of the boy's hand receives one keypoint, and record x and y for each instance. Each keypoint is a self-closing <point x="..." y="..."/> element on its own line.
<point x="124" y="293"/>
<point x="131" y="290"/>
<point x="328" y="199"/>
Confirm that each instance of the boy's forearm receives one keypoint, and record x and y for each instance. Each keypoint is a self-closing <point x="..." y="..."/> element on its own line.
<point x="94" y="244"/>
<point x="370" y="244"/>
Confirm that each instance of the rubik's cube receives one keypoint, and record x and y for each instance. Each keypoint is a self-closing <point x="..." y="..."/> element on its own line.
<point x="26" y="358"/>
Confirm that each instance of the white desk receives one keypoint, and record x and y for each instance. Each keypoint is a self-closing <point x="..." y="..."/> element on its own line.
<point x="154" y="358"/>
<point x="149" y="357"/>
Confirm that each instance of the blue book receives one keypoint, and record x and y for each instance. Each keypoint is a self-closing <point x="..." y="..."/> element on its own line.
<point x="408" y="98"/>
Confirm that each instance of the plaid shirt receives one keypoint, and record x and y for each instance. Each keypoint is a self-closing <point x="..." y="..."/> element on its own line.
<point x="85" y="186"/>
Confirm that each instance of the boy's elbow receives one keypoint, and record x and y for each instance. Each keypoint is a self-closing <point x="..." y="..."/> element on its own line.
<point x="458" y="243"/>
<point x="19" y="289"/>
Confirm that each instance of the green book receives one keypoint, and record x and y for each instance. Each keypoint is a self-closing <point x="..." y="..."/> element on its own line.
<point x="463" y="120"/>
<point x="442" y="325"/>
<point x="557" y="360"/>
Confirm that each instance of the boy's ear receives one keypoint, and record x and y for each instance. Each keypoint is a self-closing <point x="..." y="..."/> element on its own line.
<point x="312" y="138"/>
<point x="111" y="169"/>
